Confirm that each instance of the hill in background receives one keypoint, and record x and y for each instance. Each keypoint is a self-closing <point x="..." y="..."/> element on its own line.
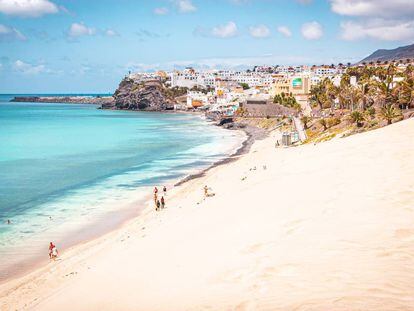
<point x="401" y="53"/>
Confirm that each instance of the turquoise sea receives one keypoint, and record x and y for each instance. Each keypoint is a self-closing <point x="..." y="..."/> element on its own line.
<point x="68" y="169"/>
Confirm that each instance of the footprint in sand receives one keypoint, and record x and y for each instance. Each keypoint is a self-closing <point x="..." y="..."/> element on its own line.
<point x="254" y="248"/>
<point x="293" y="226"/>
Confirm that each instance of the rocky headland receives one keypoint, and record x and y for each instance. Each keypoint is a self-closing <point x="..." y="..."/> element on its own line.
<point x="131" y="94"/>
<point x="150" y="95"/>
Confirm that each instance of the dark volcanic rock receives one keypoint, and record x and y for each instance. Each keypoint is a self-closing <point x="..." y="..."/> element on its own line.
<point x="149" y="96"/>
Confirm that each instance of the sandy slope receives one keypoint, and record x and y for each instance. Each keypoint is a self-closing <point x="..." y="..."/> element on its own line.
<point x="325" y="227"/>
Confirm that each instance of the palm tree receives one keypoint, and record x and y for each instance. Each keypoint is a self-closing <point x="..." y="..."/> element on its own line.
<point x="317" y="94"/>
<point x="404" y="92"/>
<point x="305" y="120"/>
<point x="389" y="112"/>
<point x="370" y="112"/>
<point x="357" y="117"/>
<point x="350" y="97"/>
<point x="324" y="123"/>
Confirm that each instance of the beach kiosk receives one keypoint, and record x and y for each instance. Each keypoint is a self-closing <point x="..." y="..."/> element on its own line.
<point x="286" y="139"/>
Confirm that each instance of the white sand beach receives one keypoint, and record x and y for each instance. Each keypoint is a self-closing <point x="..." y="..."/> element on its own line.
<point x="323" y="227"/>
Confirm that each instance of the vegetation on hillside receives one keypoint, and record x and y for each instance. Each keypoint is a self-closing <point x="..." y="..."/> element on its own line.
<point x="287" y="100"/>
<point x="367" y="97"/>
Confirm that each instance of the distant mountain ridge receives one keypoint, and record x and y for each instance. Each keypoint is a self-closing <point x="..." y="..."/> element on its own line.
<point x="401" y="53"/>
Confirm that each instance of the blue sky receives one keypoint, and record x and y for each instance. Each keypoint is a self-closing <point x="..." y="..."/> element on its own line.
<point x="52" y="46"/>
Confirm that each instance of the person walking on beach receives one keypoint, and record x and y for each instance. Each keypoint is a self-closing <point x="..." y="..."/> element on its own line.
<point x="165" y="190"/>
<point x="158" y="205"/>
<point x="54" y="252"/>
<point x="162" y="202"/>
<point x="155" y="190"/>
<point x="205" y="191"/>
<point x="51" y="247"/>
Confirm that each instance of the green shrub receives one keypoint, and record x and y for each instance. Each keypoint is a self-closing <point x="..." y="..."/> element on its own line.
<point x="333" y="121"/>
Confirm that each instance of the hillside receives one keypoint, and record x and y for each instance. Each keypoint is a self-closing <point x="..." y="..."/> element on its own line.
<point x="401" y="53"/>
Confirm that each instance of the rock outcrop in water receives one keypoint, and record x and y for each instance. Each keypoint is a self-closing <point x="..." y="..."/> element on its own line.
<point x="138" y="95"/>
<point x="95" y="100"/>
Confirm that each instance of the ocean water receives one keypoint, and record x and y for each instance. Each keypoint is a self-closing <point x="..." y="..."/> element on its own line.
<point x="67" y="169"/>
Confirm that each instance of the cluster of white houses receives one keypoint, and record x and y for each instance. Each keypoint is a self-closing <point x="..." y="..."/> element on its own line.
<point x="226" y="90"/>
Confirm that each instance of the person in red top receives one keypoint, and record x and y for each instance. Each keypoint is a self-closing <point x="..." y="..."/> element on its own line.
<point x="51" y="247"/>
<point x="155" y="190"/>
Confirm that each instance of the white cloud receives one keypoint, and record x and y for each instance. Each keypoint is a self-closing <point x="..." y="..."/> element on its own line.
<point x="259" y="31"/>
<point x="375" y="8"/>
<point x="312" y="31"/>
<point x="387" y="30"/>
<point x="225" y="31"/>
<point x="27" y="68"/>
<point x="111" y="33"/>
<point x="185" y="6"/>
<point x="389" y="20"/>
<point x="284" y="30"/>
<point x="27" y="8"/>
<point x="10" y="34"/>
<point x="79" y="29"/>
<point x="161" y="11"/>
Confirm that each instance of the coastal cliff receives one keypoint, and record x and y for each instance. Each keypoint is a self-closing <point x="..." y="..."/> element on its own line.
<point x="149" y="96"/>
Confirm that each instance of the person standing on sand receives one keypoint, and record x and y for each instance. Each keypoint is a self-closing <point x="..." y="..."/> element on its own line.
<point x="51" y="247"/>
<point x="158" y="205"/>
<point x="165" y="190"/>
<point x="205" y="191"/>
<point x="155" y="190"/>
<point x="54" y="252"/>
<point x="162" y="202"/>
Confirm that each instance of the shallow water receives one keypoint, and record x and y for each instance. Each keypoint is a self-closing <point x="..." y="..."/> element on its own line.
<point x="66" y="166"/>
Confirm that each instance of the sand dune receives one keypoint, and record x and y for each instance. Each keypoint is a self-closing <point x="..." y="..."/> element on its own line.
<point x="325" y="227"/>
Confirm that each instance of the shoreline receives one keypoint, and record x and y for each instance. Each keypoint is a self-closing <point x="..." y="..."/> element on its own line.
<point x="133" y="210"/>
<point x="252" y="134"/>
<point x="145" y="210"/>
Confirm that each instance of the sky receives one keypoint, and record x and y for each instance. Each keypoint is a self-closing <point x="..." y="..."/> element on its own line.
<point x="88" y="46"/>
